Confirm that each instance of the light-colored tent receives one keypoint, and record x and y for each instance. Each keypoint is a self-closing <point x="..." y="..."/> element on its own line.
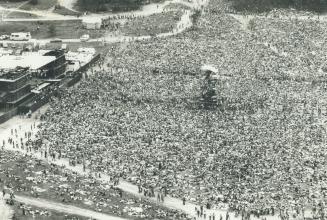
<point x="92" y="23"/>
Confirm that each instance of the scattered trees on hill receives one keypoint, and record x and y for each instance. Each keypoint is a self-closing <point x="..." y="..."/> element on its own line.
<point x="12" y="0"/>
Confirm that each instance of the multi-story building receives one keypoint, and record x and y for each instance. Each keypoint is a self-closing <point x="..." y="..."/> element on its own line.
<point x="14" y="87"/>
<point x="16" y="72"/>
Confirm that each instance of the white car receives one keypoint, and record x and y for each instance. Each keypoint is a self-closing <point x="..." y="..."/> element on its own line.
<point x="4" y="37"/>
<point x="21" y="36"/>
<point x="85" y="37"/>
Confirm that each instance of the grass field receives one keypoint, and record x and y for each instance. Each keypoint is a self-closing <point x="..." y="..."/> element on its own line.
<point x="42" y="5"/>
<point x="64" y="30"/>
<point x="8" y="4"/>
<point x="66" y="11"/>
<point x="20" y="15"/>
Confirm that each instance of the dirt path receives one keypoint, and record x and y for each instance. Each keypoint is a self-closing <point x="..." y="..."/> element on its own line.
<point x="69" y="4"/>
<point x="63" y="208"/>
<point x="6" y="212"/>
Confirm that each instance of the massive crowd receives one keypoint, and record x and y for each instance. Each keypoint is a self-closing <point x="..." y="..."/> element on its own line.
<point x="262" y="152"/>
<point x="21" y="174"/>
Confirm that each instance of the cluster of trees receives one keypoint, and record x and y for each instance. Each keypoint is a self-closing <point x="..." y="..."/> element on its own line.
<point x="111" y="5"/>
<point x="11" y="0"/>
<point x="33" y="2"/>
<point x="266" y="5"/>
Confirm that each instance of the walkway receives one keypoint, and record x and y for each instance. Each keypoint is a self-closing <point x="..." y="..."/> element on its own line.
<point x="6" y="212"/>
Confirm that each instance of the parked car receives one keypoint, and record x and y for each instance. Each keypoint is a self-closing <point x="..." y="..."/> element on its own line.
<point x="4" y="37"/>
<point x="85" y="37"/>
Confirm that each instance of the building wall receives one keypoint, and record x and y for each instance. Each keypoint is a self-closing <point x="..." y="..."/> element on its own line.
<point x="8" y="115"/>
<point x="55" y="68"/>
<point x="13" y="96"/>
<point x="10" y="86"/>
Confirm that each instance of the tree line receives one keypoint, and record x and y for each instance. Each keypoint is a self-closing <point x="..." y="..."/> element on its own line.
<point x="12" y="0"/>
<point x="111" y="5"/>
<point x="266" y="5"/>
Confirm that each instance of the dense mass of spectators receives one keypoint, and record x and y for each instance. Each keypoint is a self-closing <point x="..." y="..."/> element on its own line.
<point x="25" y="176"/>
<point x="261" y="151"/>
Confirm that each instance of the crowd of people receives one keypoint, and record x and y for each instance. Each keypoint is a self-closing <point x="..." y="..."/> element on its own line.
<point x="262" y="151"/>
<point x="26" y="176"/>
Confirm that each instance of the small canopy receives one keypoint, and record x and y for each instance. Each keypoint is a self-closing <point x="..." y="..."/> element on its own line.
<point x="211" y="68"/>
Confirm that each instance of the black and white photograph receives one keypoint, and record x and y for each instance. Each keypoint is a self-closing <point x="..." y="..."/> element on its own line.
<point x="163" y="109"/>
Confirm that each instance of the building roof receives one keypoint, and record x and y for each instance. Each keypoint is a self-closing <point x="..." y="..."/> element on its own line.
<point x="40" y="87"/>
<point x="12" y="75"/>
<point x="82" y="58"/>
<point x="33" y="62"/>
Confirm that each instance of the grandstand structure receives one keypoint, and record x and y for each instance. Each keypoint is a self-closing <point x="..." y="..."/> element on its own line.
<point x="14" y="87"/>
<point x="28" y="80"/>
<point x="17" y="72"/>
